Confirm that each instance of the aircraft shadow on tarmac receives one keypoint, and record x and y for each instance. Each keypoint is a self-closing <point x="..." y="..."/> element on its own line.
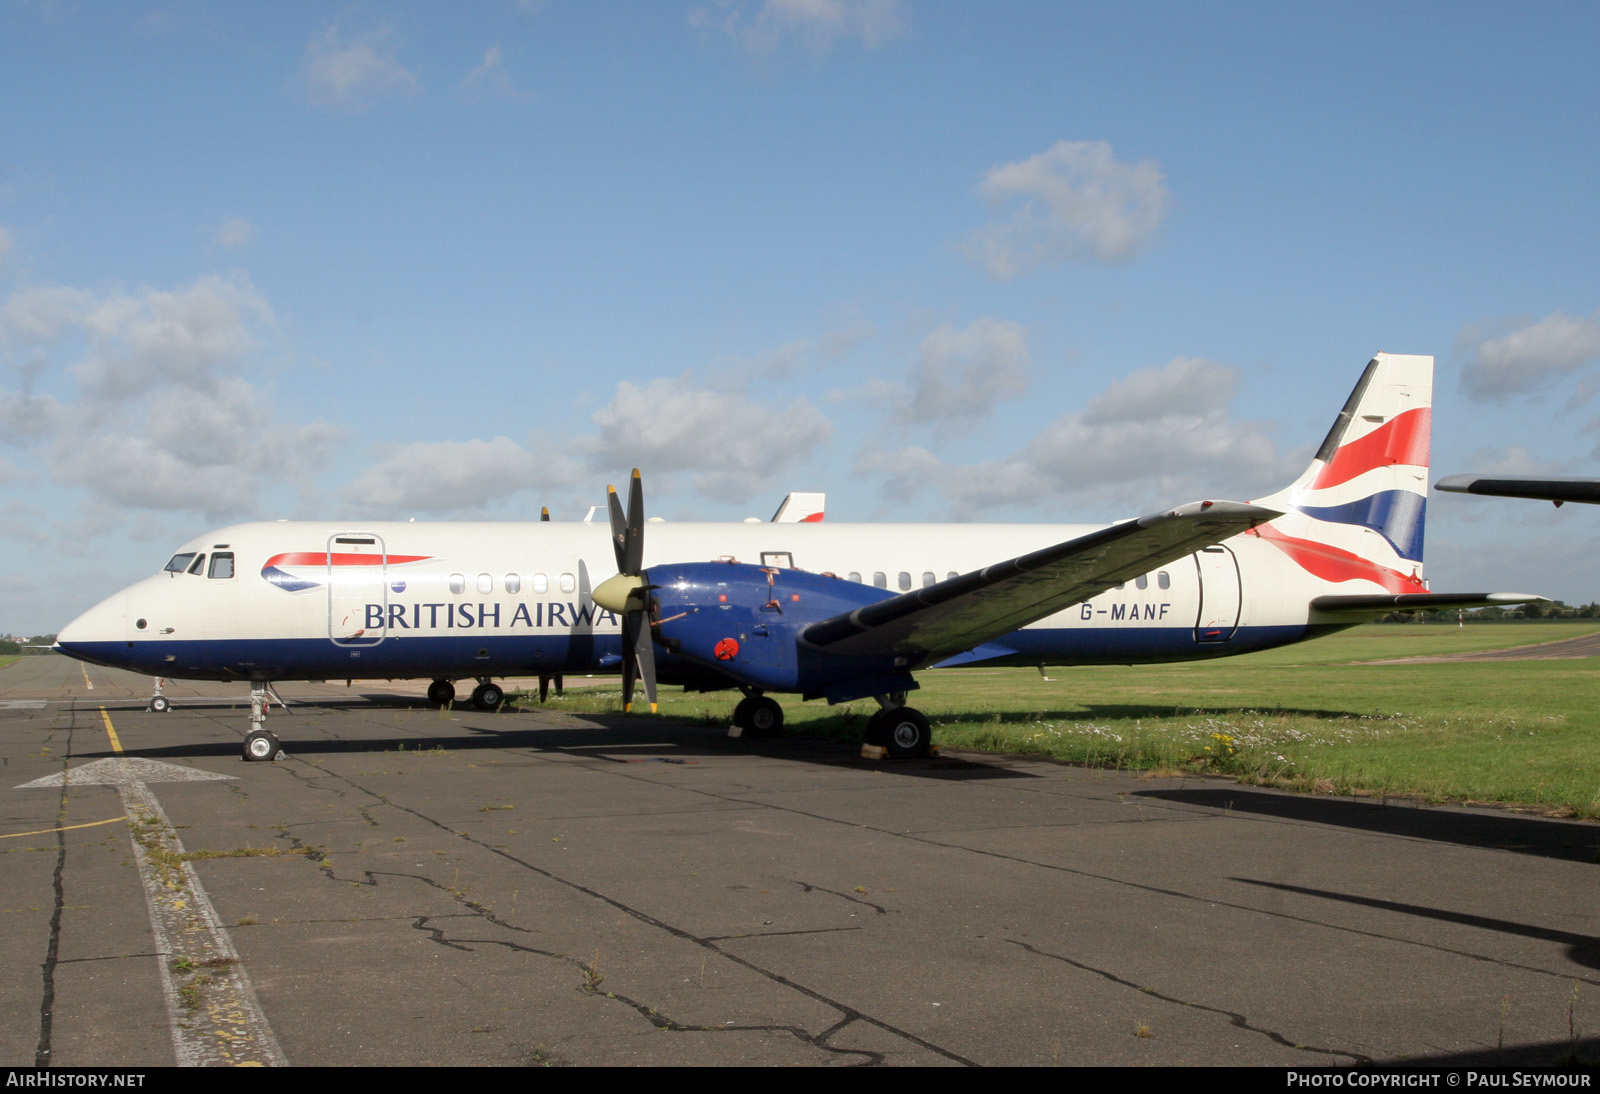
<point x="1581" y="948"/>
<point x="1575" y="841"/>
<point x="605" y="737"/>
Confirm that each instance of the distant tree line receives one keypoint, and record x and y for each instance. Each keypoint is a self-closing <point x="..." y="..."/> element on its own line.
<point x="8" y="647"/>
<point x="1539" y="610"/>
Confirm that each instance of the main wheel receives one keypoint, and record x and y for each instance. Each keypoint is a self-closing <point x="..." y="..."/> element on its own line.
<point x="909" y="734"/>
<point x="441" y="693"/>
<point x="261" y="746"/>
<point x="741" y="714"/>
<point x="764" y="718"/>
<point x="160" y="705"/>
<point x="487" y="696"/>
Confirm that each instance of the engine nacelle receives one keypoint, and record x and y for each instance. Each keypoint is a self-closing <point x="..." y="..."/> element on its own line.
<point x="745" y="622"/>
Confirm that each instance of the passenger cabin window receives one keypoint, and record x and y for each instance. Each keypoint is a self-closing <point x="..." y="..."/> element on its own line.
<point x="950" y="575"/>
<point x="1163" y="580"/>
<point x="198" y="566"/>
<point x="905" y="580"/>
<point x="880" y="579"/>
<point x="928" y="578"/>
<point x="568" y="583"/>
<point x="513" y="583"/>
<point x="855" y="575"/>
<point x="486" y="583"/>
<point x="1142" y="581"/>
<point x="221" y="564"/>
<point x="541" y="583"/>
<point x="458" y="583"/>
<point x="180" y="563"/>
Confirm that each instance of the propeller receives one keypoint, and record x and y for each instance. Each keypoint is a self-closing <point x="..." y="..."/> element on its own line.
<point x="628" y="594"/>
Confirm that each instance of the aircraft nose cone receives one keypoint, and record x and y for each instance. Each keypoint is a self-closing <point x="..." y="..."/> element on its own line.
<point x="105" y="623"/>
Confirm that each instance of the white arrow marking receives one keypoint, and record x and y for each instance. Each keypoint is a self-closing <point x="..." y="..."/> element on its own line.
<point x="215" y="1017"/>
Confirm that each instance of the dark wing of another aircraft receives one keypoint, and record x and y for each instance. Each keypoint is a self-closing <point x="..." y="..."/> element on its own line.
<point x="1364" y="606"/>
<point x="1521" y="486"/>
<point x="929" y="624"/>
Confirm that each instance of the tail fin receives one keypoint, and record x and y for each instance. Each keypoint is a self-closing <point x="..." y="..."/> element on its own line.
<point x="1357" y="512"/>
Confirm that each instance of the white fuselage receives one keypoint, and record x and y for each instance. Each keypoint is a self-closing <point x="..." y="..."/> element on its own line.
<point x="300" y="600"/>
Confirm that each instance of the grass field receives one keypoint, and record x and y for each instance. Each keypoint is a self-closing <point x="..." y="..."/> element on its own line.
<point x="1317" y="717"/>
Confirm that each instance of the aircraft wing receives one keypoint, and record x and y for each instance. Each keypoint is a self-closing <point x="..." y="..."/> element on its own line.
<point x="929" y="624"/>
<point x="1520" y="486"/>
<point x="1371" y="606"/>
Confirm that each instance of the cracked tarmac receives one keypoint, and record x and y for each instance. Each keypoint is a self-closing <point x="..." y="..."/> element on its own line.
<point x="410" y="886"/>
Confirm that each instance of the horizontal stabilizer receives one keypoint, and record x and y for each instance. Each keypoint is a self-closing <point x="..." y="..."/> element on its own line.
<point x="1517" y="486"/>
<point x="930" y="624"/>
<point x="1372" y="606"/>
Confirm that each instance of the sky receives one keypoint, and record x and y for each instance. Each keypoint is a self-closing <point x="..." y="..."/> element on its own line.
<point x="943" y="261"/>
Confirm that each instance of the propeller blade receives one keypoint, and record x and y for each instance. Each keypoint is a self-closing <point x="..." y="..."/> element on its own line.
<point x="644" y="650"/>
<point x="635" y="545"/>
<point x="630" y="662"/>
<point x="544" y="512"/>
<point x="619" y="529"/>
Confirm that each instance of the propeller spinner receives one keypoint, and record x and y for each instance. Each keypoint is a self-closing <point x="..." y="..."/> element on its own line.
<point x="628" y="594"/>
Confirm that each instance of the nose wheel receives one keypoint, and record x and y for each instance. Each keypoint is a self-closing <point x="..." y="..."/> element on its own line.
<point x="260" y="744"/>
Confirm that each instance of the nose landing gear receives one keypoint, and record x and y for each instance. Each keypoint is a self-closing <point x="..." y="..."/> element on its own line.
<point x="260" y="744"/>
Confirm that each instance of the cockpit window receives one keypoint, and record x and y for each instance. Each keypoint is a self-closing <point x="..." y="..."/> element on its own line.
<point x="198" y="566"/>
<point x="180" y="563"/>
<point x="221" y="564"/>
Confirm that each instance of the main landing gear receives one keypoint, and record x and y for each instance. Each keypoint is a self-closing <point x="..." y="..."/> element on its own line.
<point x="757" y="715"/>
<point x="900" y="731"/>
<point x="260" y="744"/>
<point x="486" y="696"/>
<point x="160" y="704"/>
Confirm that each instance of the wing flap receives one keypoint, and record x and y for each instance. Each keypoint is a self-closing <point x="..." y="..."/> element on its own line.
<point x="932" y="623"/>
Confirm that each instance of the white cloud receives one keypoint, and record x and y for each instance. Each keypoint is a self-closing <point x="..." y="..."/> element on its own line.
<point x="450" y="476"/>
<point x="730" y="444"/>
<point x="815" y="24"/>
<point x="234" y="234"/>
<point x="961" y="375"/>
<point x="1184" y="386"/>
<point x="354" y="74"/>
<point x="796" y="357"/>
<point x="1529" y="358"/>
<point x="1076" y="201"/>
<point x="156" y="405"/>
<point x="491" y="78"/>
<point x="1160" y="436"/>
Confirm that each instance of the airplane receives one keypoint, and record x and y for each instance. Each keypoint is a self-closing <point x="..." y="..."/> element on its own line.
<point x="825" y="610"/>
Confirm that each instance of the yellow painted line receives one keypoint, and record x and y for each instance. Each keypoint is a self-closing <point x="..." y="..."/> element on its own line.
<point x="86" y="681"/>
<point x="111" y="731"/>
<point x="64" y="828"/>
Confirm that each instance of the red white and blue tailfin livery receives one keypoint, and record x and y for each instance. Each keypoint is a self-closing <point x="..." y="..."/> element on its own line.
<point x="823" y="609"/>
<point x="1357" y="513"/>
